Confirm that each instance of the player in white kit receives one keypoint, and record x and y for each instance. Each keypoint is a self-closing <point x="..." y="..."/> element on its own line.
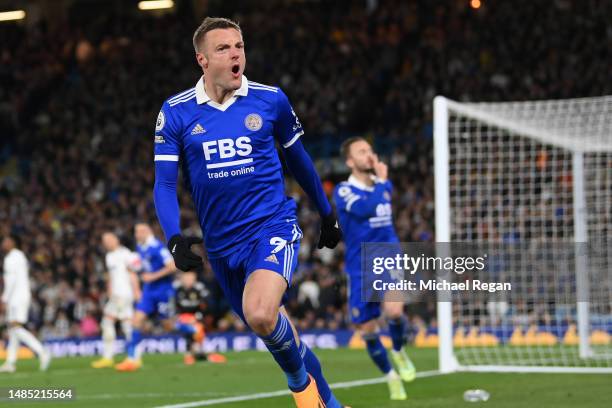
<point x="16" y="303"/>
<point x="123" y="289"/>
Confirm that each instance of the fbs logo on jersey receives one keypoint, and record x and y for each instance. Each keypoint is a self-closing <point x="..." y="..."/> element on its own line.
<point x="198" y="130"/>
<point x="272" y="258"/>
<point x="227" y="148"/>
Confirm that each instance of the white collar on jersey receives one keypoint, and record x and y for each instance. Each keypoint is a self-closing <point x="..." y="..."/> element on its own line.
<point x="13" y="252"/>
<point x="202" y="97"/>
<point x="352" y="180"/>
<point x="149" y="242"/>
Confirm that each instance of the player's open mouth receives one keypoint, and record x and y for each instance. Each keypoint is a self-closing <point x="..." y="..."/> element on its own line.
<point x="235" y="69"/>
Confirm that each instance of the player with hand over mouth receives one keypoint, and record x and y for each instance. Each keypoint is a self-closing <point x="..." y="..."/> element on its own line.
<point x="364" y="210"/>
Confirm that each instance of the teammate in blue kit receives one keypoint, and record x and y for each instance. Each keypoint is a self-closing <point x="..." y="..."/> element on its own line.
<point x="222" y="133"/>
<point x="364" y="210"/>
<point x="157" y="275"/>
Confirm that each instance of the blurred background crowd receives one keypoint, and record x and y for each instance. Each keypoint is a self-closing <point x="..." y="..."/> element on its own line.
<point x="78" y="102"/>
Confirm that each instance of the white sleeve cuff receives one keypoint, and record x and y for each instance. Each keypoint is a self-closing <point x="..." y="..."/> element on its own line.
<point x="293" y="139"/>
<point x="166" y="157"/>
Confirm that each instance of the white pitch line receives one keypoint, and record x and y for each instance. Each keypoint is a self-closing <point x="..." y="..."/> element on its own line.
<point x="262" y="395"/>
<point x="151" y="395"/>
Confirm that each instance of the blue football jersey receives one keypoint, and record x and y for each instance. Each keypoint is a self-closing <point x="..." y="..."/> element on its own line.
<point x="154" y="256"/>
<point x="365" y="215"/>
<point x="228" y="158"/>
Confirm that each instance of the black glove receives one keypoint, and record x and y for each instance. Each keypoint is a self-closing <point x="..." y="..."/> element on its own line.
<point x="184" y="258"/>
<point x="331" y="233"/>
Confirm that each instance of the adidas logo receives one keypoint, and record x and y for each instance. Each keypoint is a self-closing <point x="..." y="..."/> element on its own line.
<point x="198" y="129"/>
<point x="285" y="346"/>
<point x="272" y="258"/>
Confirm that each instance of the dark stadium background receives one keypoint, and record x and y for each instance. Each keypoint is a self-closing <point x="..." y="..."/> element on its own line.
<point x="81" y="83"/>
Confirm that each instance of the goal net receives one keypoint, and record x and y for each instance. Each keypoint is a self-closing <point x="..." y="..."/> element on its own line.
<point x="532" y="180"/>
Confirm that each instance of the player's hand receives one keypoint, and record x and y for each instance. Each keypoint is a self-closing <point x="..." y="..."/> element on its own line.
<point x="149" y="277"/>
<point x="331" y="233"/>
<point x="184" y="258"/>
<point x="380" y="169"/>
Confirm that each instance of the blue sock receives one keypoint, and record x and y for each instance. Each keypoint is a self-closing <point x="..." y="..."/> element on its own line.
<point x="377" y="352"/>
<point x="284" y="349"/>
<point x="397" y="329"/>
<point x="313" y="366"/>
<point x="131" y="346"/>
<point x="186" y="328"/>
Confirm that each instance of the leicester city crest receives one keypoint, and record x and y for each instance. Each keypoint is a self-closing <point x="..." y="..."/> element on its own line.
<point x="253" y="122"/>
<point x="344" y="191"/>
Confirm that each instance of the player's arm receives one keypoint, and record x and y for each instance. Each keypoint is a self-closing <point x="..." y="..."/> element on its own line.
<point x="203" y="295"/>
<point x="288" y="130"/>
<point x="358" y="206"/>
<point x="9" y="282"/>
<point x="135" y="285"/>
<point x="169" y="268"/>
<point x="167" y="152"/>
<point x="8" y="288"/>
<point x="109" y="290"/>
<point x="134" y="265"/>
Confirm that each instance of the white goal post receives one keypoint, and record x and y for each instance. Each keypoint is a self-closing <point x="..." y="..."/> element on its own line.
<point x="528" y="172"/>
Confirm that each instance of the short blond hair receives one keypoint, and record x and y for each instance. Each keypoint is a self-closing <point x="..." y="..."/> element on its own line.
<point x="209" y="24"/>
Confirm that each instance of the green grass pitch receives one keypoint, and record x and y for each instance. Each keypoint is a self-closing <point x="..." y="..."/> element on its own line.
<point x="164" y="380"/>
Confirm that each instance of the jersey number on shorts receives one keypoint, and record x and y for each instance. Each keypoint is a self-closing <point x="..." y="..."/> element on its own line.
<point x="278" y="242"/>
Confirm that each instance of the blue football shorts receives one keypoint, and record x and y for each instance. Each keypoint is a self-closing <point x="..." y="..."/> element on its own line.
<point x="275" y="248"/>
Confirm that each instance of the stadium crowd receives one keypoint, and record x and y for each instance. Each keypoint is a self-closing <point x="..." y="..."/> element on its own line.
<point x="78" y="102"/>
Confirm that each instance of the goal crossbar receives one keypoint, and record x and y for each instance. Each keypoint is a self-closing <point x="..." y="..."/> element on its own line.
<point x="560" y="137"/>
